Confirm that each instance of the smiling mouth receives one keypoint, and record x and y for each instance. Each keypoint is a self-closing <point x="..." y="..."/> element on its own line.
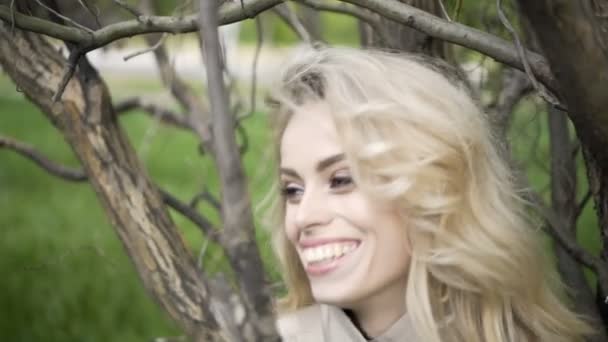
<point x="325" y="258"/>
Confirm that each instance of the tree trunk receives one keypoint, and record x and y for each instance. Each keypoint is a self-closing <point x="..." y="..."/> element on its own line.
<point x="403" y="38"/>
<point x="564" y="204"/>
<point x="87" y="120"/>
<point x="573" y="36"/>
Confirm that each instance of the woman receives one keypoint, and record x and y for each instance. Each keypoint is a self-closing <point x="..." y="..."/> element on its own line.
<point x="399" y="219"/>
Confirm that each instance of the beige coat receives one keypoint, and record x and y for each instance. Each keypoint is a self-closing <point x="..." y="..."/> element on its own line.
<point x="327" y="323"/>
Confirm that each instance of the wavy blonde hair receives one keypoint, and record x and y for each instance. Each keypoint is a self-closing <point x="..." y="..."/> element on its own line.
<point x="413" y="135"/>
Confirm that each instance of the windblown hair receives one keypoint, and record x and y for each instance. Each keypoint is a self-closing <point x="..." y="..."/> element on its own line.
<point x="414" y="136"/>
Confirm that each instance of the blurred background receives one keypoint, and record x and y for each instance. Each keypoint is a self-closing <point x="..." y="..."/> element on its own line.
<point x="64" y="273"/>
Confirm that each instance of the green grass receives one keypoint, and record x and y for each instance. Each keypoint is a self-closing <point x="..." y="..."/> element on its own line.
<point x="65" y="274"/>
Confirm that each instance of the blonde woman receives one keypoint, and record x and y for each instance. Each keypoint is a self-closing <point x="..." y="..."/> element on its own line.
<point x="398" y="219"/>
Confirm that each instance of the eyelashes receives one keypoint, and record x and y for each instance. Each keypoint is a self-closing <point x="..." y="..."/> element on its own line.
<point x="292" y="192"/>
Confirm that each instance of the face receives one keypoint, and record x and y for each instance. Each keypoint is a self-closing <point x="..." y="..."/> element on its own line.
<point x="351" y="247"/>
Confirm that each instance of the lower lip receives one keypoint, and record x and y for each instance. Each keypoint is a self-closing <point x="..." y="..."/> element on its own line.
<point x="323" y="268"/>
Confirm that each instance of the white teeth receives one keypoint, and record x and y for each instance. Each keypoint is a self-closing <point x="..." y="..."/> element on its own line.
<point x="327" y="252"/>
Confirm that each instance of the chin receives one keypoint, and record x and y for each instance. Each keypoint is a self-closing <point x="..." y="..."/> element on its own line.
<point x="340" y="294"/>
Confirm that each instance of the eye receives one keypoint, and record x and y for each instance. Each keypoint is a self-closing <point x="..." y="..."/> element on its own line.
<point x="290" y="192"/>
<point x="341" y="181"/>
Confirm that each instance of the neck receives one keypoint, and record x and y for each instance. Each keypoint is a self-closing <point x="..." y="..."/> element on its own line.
<point x="377" y="313"/>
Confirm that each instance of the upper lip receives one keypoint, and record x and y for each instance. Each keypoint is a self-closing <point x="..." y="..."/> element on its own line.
<point x="307" y="243"/>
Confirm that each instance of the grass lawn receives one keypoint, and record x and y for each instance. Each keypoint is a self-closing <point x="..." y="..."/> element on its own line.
<point x="65" y="274"/>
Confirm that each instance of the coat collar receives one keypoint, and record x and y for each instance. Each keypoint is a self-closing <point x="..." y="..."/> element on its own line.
<point x="326" y="323"/>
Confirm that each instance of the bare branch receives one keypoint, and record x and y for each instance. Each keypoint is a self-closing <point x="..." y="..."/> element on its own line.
<point x="238" y="238"/>
<point x="558" y="231"/>
<point x="163" y="114"/>
<point x="205" y="225"/>
<point x="196" y="111"/>
<point x="292" y="20"/>
<point x="515" y="86"/>
<point x="157" y="45"/>
<point x="445" y="13"/>
<point x="581" y="205"/>
<point x="53" y="168"/>
<point x="521" y="51"/>
<point x="208" y="197"/>
<point x="69" y="69"/>
<point x="346" y="9"/>
<point x="454" y="32"/>
<point x="229" y="13"/>
<point x="76" y="175"/>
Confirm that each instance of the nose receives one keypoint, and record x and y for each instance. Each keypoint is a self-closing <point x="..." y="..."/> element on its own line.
<point x="313" y="210"/>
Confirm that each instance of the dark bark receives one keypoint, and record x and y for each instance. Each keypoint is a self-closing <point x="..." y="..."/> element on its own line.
<point x="574" y="40"/>
<point x="403" y="38"/>
<point x="564" y="204"/>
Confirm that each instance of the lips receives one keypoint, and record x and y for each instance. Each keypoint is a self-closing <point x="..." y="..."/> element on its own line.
<point x="321" y="257"/>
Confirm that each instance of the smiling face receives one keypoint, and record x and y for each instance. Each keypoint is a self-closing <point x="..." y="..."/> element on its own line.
<point x="352" y="248"/>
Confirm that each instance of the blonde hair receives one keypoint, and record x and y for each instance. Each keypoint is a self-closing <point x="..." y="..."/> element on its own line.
<point x="414" y="136"/>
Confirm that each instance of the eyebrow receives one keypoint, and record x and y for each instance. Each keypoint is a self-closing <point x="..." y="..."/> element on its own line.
<point x="322" y="165"/>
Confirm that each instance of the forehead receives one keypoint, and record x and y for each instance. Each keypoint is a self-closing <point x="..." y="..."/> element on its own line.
<point x="310" y="135"/>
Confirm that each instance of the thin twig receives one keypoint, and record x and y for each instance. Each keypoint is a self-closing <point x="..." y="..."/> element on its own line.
<point x="42" y="161"/>
<point x="254" y="64"/>
<point x="76" y="175"/>
<point x="521" y="51"/>
<point x="444" y="11"/>
<point x="158" y="44"/>
<point x="581" y="205"/>
<point x="557" y="230"/>
<point x="66" y="19"/>
<point x="163" y="114"/>
<point x="69" y="70"/>
<point x="208" y="197"/>
<point x="205" y="225"/>
<point x="86" y="7"/>
<point x="284" y="12"/>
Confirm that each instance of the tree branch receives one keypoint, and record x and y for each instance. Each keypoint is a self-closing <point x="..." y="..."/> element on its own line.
<point x="559" y="233"/>
<point x="229" y="13"/>
<point x="163" y="114"/>
<point x="286" y="14"/>
<point x="521" y="51"/>
<point x="68" y="72"/>
<point x="156" y="45"/>
<point x="45" y="163"/>
<point x="454" y="32"/>
<point x="238" y="238"/>
<point x="77" y="175"/>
